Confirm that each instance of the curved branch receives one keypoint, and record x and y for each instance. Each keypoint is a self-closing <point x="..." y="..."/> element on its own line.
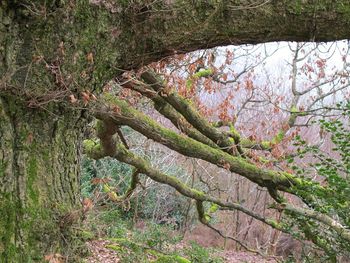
<point x="106" y="132"/>
<point x="189" y="113"/>
<point x="169" y="112"/>
<point x="120" y="113"/>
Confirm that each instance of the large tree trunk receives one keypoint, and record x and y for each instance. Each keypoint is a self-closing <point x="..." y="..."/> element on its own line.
<point x="40" y="140"/>
<point x="39" y="180"/>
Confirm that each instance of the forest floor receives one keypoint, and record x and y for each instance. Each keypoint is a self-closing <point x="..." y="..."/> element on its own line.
<point x="101" y="253"/>
<point x="111" y="237"/>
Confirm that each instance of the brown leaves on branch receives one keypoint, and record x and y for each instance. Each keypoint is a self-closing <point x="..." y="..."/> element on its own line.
<point x="85" y="98"/>
<point x="87" y="205"/>
<point x="72" y="99"/>
<point x="90" y="58"/>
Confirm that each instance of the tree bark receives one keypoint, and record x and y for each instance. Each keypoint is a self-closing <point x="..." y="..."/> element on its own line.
<point x="40" y="145"/>
<point x="39" y="180"/>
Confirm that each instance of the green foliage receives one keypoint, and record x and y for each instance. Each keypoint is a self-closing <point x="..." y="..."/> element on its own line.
<point x="159" y="207"/>
<point x="156" y="245"/>
<point x="129" y="251"/>
<point x="152" y="243"/>
<point x="332" y="166"/>
<point x="199" y="254"/>
<point x="156" y="236"/>
<point x="116" y="222"/>
<point x="119" y="174"/>
<point x="159" y="203"/>
<point x="171" y="259"/>
<point x="109" y="221"/>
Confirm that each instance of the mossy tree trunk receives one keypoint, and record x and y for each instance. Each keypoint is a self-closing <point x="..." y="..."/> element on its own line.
<point x="39" y="180"/>
<point x="53" y="49"/>
<point x="40" y="139"/>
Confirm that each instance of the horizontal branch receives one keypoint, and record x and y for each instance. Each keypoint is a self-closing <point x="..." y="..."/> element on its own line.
<point x="121" y="113"/>
<point x="122" y="154"/>
<point x="106" y="131"/>
<point x="343" y="232"/>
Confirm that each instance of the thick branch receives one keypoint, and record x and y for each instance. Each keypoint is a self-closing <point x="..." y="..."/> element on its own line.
<point x="122" y="114"/>
<point x="183" y="26"/>
<point x="86" y="44"/>
<point x="190" y="114"/>
<point x="106" y="131"/>
<point x="180" y="107"/>
<point x="122" y="154"/>
<point x="163" y="107"/>
<point x="143" y="166"/>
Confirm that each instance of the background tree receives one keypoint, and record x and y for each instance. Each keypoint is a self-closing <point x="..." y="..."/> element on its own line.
<point x="56" y="53"/>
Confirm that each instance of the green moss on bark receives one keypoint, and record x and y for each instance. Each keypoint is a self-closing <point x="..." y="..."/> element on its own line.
<point x="8" y="211"/>
<point x="189" y="147"/>
<point x="32" y="174"/>
<point x="38" y="171"/>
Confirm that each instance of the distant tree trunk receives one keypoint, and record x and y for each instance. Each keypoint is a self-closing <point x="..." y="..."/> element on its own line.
<point x="39" y="180"/>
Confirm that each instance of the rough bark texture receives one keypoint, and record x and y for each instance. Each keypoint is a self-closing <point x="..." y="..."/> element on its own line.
<point x="39" y="182"/>
<point x="50" y="49"/>
<point x="40" y="148"/>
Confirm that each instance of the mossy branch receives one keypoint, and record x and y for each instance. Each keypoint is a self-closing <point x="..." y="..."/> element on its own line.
<point x="124" y="155"/>
<point x="190" y="114"/>
<point x="107" y="129"/>
<point x="126" y="115"/>
<point x="105" y="146"/>
<point x="208" y="130"/>
<point x="341" y="230"/>
<point x="164" y="108"/>
<point x="120" y="198"/>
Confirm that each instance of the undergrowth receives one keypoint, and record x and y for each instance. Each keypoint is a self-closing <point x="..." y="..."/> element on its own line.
<point x="146" y="242"/>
